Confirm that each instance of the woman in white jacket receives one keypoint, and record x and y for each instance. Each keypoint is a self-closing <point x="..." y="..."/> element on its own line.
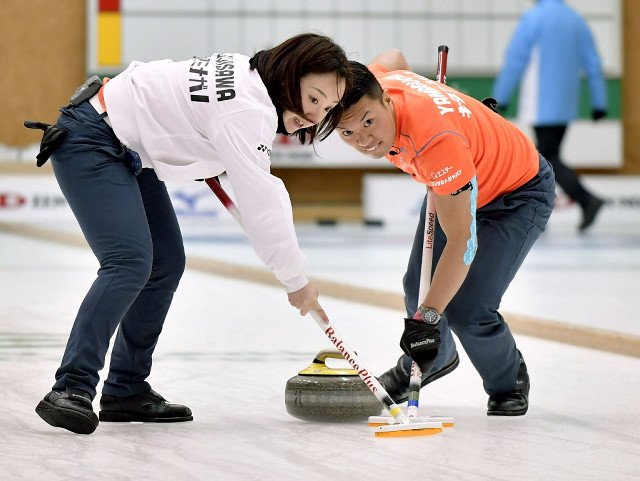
<point x="168" y="120"/>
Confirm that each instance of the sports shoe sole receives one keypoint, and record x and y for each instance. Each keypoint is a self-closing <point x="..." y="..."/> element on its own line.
<point x="508" y="413"/>
<point x="69" y="419"/>
<point x="125" y="417"/>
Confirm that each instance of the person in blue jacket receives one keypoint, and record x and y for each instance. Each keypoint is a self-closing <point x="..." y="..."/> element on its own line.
<point x="551" y="49"/>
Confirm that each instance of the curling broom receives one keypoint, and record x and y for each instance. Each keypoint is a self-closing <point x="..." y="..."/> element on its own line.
<point x="415" y="382"/>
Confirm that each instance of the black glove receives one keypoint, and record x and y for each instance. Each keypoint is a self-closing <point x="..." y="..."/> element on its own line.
<point x="52" y="136"/>
<point x="597" y="114"/>
<point x="421" y="341"/>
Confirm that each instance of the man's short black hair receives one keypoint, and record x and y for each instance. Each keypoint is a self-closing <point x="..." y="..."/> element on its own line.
<point x="364" y="83"/>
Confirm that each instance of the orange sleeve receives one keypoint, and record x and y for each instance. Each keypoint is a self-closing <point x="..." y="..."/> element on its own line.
<point x="376" y="69"/>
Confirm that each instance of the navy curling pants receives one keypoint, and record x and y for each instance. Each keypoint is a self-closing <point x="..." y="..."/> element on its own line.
<point x="507" y="229"/>
<point x="131" y="227"/>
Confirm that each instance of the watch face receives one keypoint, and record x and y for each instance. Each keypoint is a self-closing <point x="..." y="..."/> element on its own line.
<point x="429" y="316"/>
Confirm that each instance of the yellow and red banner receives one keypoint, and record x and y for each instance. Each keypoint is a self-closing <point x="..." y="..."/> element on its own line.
<point x="109" y="33"/>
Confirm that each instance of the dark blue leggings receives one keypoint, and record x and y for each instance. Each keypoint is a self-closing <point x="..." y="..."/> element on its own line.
<point x="131" y="227"/>
<point x="507" y="229"/>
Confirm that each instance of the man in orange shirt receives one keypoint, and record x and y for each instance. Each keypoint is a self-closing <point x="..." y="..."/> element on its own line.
<point x="493" y="195"/>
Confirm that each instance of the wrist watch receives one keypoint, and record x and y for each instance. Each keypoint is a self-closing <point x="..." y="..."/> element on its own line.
<point x="429" y="314"/>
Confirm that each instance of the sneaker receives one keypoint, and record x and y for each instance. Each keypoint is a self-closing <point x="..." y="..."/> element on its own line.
<point x="70" y="410"/>
<point x="513" y="403"/>
<point x="148" y="407"/>
<point x="590" y="211"/>
<point x="396" y="380"/>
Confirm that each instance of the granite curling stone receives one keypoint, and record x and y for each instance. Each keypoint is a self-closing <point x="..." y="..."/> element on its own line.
<point x="327" y="394"/>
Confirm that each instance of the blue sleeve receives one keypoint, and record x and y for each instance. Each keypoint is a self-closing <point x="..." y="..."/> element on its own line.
<point x="516" y="59"/>
<point x="593" y="68"/>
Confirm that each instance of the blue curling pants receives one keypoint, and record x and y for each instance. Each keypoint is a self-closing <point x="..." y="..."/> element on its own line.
<point x="131" y="227"/>
<point x="507" y="229"/>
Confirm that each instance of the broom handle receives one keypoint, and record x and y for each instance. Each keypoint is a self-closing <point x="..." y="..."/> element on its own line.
<point x="226" y="201"/>
<point x="415" y="381"/>
<point x="336" y="339"/>
<point x="354" y="361"/>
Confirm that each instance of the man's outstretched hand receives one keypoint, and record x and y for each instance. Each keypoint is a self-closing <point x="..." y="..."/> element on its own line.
<point x="306" y="300"/>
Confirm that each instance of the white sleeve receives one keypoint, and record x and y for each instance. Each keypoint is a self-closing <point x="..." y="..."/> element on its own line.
<point x="244" y="145"/>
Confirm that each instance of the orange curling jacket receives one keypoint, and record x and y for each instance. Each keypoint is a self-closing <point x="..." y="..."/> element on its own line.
<point x="445" y="138"/>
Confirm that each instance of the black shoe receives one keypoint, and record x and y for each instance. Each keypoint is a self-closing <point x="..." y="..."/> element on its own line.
<point x="70" y="410"/>
<point x="396" y="380"/>
<point x="516" y="402"/>
<point x="589" y="212"/>
<point x="148" y="407"/>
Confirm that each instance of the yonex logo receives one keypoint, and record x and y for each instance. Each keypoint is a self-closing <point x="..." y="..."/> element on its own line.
<point x="263" y="148"/>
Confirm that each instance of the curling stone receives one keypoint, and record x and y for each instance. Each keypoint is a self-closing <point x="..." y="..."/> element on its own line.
<point x="323" y="393"/>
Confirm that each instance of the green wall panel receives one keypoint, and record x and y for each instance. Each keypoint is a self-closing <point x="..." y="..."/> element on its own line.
<point x="481" y="87"/>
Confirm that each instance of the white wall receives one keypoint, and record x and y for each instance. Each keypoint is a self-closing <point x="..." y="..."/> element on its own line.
<point x="477" y="31"/>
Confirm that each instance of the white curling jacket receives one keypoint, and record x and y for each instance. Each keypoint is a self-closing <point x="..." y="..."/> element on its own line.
<point x="197" y="118"/>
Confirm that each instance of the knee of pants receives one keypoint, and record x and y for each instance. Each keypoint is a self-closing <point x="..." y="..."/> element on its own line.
<point x="470" y="333"/>
<point x="169" y="268"/>
<point x="467" y="317"/>
<point x="135" y="266"/>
